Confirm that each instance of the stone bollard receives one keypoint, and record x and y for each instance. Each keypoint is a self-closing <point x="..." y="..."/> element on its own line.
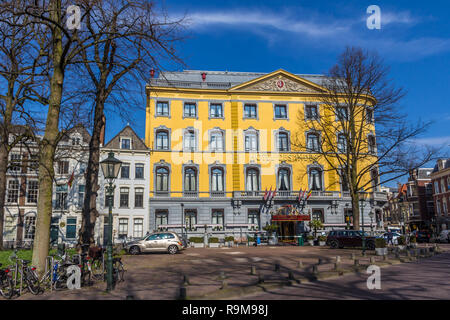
<point x="385" y="257"/>
<point x="336" y="266"/>
<point x="356" y="263"/>
<point x="277" y="266"/>
<point x="182" y="293"/>
<point x="373" y="260"/>
<point x="300" y="264"/>
<point x="320" y="261"/>
<point x="315" y="269"/>
<point x="338" y="259"/>
<point x="260" y="278"/>
<point x="291" y="275"/>
<point x="222" y="275"/>
<point x="186" y="280"/>
<point x="224" y="284"/>
<point x="353" y="257"/>
<point x="253" y="270"/>
<point x="363" y="254"/>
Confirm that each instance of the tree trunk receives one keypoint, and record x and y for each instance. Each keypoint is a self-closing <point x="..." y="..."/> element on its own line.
<point x="355" y="209"/>
<point x="48" y="146"/>
<point x="3" y="169"/>
<point x="90" y="213"/>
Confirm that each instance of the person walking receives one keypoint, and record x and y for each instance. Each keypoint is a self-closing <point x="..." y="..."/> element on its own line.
<point x="390" y="237"/>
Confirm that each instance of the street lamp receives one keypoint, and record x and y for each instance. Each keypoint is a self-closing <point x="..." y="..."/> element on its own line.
<point x="183" y="222"/>
<point x="362" y="197"/>
<point x="110" y="167"/>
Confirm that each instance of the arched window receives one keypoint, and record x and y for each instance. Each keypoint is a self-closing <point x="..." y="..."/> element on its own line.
<point x="190" y="179"/>
<point x="217" y="180"/>
<point x="252" y="179"/>
<point x="162" y="179"/>
<point x="315" y="179"/>
<point x="371" y="144"/>
<point x="189" y="140"/>
<point x="216" y="143"/>
<point x="283" y="141"/>
<point x="284" y="179"/>
<point x="162" y="140"/>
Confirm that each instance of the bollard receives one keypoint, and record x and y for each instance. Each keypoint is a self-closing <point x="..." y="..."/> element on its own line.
<point x="291" y="275"/>
<point x="356" y="262"/>
<point x="186" y="280"/>
<point x="385" y="257"/>
<point x="277" y="266"/>
<point x="338" y="259"/>
<point x="397" y="255"/>
<point x="336" y="266"/>
<point x="372" y="260"/>
<point x="182" y="293"/>
<point x="363" y="254"/>
<point x="315" y="270"/>
<point x="253" y="270"/>
<point x="260" y="278"/>
<point x="320" y="261"/>
<point x="408" y="253"/>
<point x="129" y="298"/>
<point x="300" y="264"/>
<point x="224" y="284"/>
<point x="353" y="257"/>
<point x="222" y="275"/>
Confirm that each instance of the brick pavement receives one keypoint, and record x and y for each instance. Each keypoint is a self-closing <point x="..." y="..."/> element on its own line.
<point x="159" y="276"/>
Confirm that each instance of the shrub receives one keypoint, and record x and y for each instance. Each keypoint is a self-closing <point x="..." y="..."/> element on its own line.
<point x="322" y="238"/>
<point x="380" y="243"/>
<point x="251" y="239"/>
<point x="401" y="240"/>
<point x="271" y="228"/>
<point x="310" y="237"/>
<point x="229" y="239"/>
<point x="196" y="239"/>
<point x="412" y="239"/>
<point x="213" y="240"/>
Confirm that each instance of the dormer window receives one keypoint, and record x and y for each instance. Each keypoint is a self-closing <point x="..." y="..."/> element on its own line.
<point x="76" y="141"/>
<point x="125" y="143"/>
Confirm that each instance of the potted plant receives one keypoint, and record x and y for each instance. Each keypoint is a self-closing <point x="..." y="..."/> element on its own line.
<point x="310" y="240"/>
<point x="197" y="242"/>
<point x="315" y="225"/>
<point x="413" y="241"/>
<point x="401" y="241"/>
<point x="380" y="247"/>
<point x="213" y="242"/>
<point x="229" y="241"/>
<point x="250" y="240"/>
<point x="322" y="240"/>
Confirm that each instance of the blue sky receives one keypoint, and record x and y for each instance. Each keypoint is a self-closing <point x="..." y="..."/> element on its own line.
<point x="307" y="36"/>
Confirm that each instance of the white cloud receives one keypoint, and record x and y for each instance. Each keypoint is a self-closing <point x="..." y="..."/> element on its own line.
<point x="434" y="141"/>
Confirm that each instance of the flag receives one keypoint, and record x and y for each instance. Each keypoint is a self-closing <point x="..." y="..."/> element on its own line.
<point x="300" y="195"/>
<point x="269" y="194"/>
<point x="265" y="195"/>
<point x="71" y="179"/>
<point x="274" y="193"/>
<point x="309" y="194"/>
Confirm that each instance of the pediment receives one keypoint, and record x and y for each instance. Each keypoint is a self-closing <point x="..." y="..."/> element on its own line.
<point x="279" y="81"/>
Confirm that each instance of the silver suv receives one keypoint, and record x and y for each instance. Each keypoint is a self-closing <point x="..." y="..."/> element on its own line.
<point x="154" y="242"/>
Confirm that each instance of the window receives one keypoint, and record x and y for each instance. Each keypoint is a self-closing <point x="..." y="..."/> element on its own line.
<point x="342" y="143"/>
<point x="30" y="227"/>
<point x="81" y="189"/>
<point x="369" y="115"/>
<point x="250" y="111"/>
<point x="284" y="179"/>
<point x="76" y="141"/>
<point x="312" y="142"/>
<point x="138" y="228"/>
<point x="190" y="110"/>
<point x="189" y="140"/>
<point x="190" y="217"/>
<point x="16" y="162"/>
<point x="162" y="179"/>
<point x="124" y="196"/>
<point x="317" y="214"/>
<point x="125" y="171"/>
<point x="13" y="191"/>
<point x="162" y="140"/>
<point x="190" y="179"/>
<point x="251" y="142"/>
<point x="217" y="216"/>
<point x="139" y="198"/>
<point x="436" y="187"/>
<point x="139" y="171"/>
<point x="280" y="111"/>
<point x="283" y="141"/>
<point x="162" y="217"/>
<point x="253" y="217"/>
<point x="252" y="179"/>
<point x="315" y="179"/>
<point x="443" y="185"/>
<point x="217" y="180"/>
<point x="216" y="110"/>
<point x="216" y="143"/>
<point x="438" y="207"/>
<point x="83" y="166"/>
<point x="63" y="167"/>
<point x="61" y="197"/>
<point x="71" y="228"/>
<point x="34" y="163"/>
<point x="372" y="144"/>
<point x="374" y="176"/>
<point x="311" y="113"/>
<point x="125" y="143"/>
<point x="123" y="228"/>
<point x="32" y="191"/>
<point x="162" y="108"/>
<point x="444" y="206"/>
<point x="341" y="113"/>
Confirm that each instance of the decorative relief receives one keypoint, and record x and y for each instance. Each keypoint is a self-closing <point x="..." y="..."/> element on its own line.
<point x="279" y="83"/>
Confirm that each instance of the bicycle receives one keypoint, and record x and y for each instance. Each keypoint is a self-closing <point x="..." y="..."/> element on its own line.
<point x="118" y="271"/>
<point x="6" y="283"/>
<point x="30" y="276"/>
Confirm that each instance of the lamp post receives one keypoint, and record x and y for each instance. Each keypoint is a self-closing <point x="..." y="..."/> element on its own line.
<point x="183" y="223"/>
<point x="362" y="198"/>
<point x="110" y="167"/>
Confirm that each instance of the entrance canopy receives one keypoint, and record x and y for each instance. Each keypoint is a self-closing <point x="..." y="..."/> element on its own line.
<point x="301" y="217"/>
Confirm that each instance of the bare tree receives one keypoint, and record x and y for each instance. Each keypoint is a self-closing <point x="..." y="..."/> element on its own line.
<point x="131" y="38"/>
<point x="359" y="133"/>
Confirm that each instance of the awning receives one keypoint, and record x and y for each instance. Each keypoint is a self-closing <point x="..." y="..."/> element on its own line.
<point x="302" y="217"/>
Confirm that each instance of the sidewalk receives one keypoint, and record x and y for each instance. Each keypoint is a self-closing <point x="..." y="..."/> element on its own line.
<point x="160" y="276"/>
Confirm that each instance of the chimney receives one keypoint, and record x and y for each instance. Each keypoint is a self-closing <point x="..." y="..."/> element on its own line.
<point x="102" y="132"/>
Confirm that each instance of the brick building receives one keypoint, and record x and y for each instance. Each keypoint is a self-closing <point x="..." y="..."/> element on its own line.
<point x="440" y="179"/>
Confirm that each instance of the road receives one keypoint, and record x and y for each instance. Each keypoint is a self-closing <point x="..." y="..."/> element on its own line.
<point x="426" y="279"/>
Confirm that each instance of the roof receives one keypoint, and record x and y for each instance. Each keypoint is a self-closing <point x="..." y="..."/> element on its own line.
<point x="136" y="142"/>
<point x="445" y="163"/>
<point x="216" y="79"/>
<point x="81" y="129"/>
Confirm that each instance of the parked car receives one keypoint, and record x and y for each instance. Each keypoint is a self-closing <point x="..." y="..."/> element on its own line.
<point x="349" y="238"/>
<point x="395" y="236"/>
<point x="421" y="236"/>
<point x="444" y="236"/>
<point x="157" y="242"/>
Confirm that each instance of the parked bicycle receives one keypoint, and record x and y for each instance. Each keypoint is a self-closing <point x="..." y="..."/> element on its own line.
<point x="6" y="283"/>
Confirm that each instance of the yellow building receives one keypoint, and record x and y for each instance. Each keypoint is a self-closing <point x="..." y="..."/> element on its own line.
<point x="219" y="140"/>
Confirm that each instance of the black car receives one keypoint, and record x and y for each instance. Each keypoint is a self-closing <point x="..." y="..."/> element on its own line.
<point x="422" y="236"/>
<point x="349" y="238"/>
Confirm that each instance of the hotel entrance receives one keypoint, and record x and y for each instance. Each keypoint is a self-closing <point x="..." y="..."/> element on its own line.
<point x="290" y="224"/>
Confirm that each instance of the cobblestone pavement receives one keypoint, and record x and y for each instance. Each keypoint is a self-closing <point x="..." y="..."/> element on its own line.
<point x="159" y="276"/>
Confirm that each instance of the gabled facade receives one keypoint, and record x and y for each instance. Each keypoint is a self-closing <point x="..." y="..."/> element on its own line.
<point x="440" y="180"/>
